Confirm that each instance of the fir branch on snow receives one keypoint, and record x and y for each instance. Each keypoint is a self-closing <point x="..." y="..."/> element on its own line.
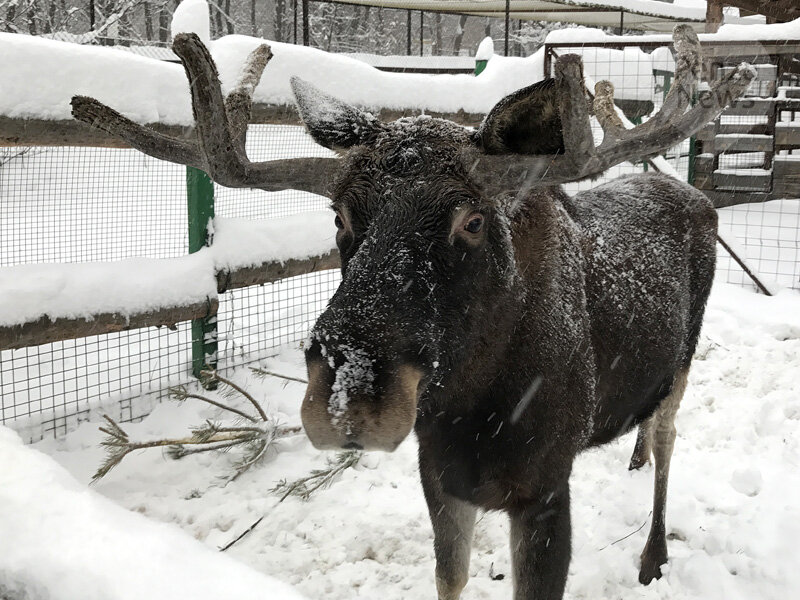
<point x="214" y="376"/>
<point x="305" y="486"/>
<point x="180" y="393"/>
<point x="264" y="373"/>
<point x="256" y="437"/>
<point x="318" y="478"/>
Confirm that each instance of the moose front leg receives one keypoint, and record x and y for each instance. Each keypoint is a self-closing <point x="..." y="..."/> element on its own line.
<point x="453" y="521"/>
<point x="540" y="547"/>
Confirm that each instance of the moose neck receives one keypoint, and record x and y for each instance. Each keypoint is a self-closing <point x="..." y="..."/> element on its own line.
<point x="507" y="316"/>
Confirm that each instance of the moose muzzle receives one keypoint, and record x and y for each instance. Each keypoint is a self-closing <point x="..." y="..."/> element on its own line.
<point x="354" y="408"/>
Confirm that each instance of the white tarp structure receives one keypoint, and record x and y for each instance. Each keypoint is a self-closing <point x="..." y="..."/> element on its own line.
<point x="646" y="15"/>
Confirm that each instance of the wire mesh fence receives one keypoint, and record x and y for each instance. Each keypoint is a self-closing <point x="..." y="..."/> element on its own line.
<point x="75" y="204"/>
<point x="90" y="204"/>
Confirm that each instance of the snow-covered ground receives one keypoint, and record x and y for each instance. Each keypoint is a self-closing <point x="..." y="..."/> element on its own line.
<point x="733" y="511"/>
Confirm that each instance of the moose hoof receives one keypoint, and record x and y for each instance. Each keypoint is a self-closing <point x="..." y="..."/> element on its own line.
<point x="653" y="556"/>
<point x="450" y="588"/>
<point x="638" y="460"/>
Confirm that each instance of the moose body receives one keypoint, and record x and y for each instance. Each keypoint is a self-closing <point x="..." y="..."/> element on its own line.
<point x="556" y="327"/>
<point x="509" y="325"/>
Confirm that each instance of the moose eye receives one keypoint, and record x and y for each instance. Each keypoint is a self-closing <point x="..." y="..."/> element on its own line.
<point x="338" y="222"/>
<point x="475" y="224"/>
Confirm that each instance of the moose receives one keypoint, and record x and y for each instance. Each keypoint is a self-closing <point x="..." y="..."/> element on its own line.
<point x="509" y="325"/>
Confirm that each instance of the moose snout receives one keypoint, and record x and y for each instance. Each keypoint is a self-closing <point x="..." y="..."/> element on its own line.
<point x="377" y="415"/>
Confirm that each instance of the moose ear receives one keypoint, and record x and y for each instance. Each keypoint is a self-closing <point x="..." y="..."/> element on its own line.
<point x="525" y="122"/>
<point x="331" y="122"/>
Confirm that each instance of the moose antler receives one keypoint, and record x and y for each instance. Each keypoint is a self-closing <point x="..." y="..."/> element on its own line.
<point x="581" y="158"/>
<point x="220" y="126"/>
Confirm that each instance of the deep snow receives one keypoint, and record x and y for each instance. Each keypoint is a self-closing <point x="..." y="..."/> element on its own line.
<point x="733" y="513"/>
<point x="64" y="542"/>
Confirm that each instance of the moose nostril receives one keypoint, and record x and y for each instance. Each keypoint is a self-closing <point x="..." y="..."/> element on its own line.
<point x="353" y="446"/>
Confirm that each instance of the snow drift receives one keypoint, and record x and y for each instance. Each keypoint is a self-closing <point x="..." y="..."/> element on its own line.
<point x="66" y="541"/>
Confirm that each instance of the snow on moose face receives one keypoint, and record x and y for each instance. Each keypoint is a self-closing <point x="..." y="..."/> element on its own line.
<point x="419" y="248"/>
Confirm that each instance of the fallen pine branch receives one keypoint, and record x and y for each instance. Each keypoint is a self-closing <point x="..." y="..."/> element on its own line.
<point x="256" y="437"/>
<point x="305" y="486"/>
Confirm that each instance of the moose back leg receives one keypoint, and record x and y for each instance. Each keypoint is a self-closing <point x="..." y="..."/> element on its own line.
<point x="655" y="551"/>
<point x="644" y="445"/>
<point x="453" y="522"/>
<point x="540" y="548"/>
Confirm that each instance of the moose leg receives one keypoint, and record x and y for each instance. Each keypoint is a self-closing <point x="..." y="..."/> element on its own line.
<point x="655" y="551"/>
<point x="453" y="521"/>
<point x="540" y="548"/>
<point x="644" y="445"/>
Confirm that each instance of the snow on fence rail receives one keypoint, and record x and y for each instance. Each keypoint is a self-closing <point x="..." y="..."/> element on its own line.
<point x="269" y="271"/>
<point x="40" y="76"/>
<point x="44" y="303"/>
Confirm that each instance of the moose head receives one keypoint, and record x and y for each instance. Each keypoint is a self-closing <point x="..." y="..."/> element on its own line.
<point x="425" y="213"/>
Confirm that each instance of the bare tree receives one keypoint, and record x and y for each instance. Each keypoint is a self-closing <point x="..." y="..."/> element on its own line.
<point x="436" y="44"/>
<point x="148" y="21"/>
<point x="459" y="37"/>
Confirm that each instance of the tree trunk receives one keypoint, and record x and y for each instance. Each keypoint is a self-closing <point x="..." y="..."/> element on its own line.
<point x="306" y="32"/>
<point x="487" y="29"/>
<point x="32" y="18"/>
<point x="228" y="19"/>
<point x="459" y="38"/>
<point x="126" y="27"/>
<point x="280" y="11"/>
<point x="713" y="15"/>
<point x="148" y="21"/>
<point x="11" y="14"/>
<point x="216" y="22"/>
<point x="331" y="27"/>
<point x="437" y="34"/>
<point x="163" y="24"/>
<point x="49" y="23"/>
<point x="353" y="23"/>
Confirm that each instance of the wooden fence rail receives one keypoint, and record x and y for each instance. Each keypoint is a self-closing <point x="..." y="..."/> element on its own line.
<point x="42" y="132"/>
<point x="45" y="330"/>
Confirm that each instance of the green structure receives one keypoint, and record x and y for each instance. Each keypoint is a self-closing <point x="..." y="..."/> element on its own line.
<point x="200" y="199"/>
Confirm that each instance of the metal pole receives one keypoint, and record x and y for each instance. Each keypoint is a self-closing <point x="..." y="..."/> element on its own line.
<point x="200" y="209"/>
<point x="305" y="22"/>
<point x="421" y="29"/>
<point x="408" y="33"/>
<point x="621" y="21"/>
<point x="508" y="18"/>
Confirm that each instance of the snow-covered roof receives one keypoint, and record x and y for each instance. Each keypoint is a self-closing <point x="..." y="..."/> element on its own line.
<point x="646" y="15"/>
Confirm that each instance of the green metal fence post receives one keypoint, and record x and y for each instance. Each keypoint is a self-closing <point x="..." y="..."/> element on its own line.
<point x="200" y="199"/>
